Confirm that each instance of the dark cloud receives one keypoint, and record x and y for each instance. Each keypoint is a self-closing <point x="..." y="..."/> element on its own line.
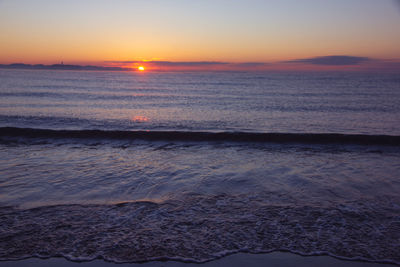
<point x="332" y="60"/>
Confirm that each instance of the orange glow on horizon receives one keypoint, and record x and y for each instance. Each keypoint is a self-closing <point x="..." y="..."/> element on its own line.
<point x="140" y="119"/>
<point x="141" y="68"/>
<point x="194" y="32"/>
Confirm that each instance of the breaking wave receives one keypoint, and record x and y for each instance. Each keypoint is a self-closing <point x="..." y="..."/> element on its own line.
<point x="314" y="138"/>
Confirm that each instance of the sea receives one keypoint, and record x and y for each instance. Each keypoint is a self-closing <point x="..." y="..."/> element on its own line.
<point x="192" y="166"/>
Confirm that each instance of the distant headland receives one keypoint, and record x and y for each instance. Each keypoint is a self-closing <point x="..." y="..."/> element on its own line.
<point x="60" y="67"/>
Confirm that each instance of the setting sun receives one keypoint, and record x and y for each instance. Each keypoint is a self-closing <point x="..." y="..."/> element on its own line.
<point x="141" y="68"/>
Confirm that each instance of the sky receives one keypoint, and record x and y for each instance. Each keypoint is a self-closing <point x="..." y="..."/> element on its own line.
<point x="203" y="33"/>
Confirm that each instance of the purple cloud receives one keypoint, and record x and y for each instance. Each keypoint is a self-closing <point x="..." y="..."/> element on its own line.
<point x="332" y="60"/>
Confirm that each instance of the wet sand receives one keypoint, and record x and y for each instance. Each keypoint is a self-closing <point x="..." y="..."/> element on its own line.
<point x="275" y="259"/>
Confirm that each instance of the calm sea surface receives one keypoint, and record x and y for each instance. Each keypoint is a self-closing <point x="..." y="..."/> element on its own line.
<point x="256" y="102"/>
<point x="86" y="195"/>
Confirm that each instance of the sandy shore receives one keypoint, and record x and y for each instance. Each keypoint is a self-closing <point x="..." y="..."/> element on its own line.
<point x="276" y="259"/>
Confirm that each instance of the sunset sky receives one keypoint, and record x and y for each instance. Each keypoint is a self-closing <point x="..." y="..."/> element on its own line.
<point x="209" y="33"/>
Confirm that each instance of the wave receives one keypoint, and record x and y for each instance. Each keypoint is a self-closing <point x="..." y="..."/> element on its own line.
<point x="241" y="137"/>
<point x="198" y="229"/>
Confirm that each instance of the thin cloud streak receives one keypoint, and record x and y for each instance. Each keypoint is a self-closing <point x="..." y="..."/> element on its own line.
<point x="172" y="63"/>
<point x="332" y="62"/>
<point x="190" y="65"/>
<point x="337" y="60"/>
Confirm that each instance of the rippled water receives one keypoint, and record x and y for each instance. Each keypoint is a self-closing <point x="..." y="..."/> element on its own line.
<point x="198" y="196"/>
<point x="257" y="102"/>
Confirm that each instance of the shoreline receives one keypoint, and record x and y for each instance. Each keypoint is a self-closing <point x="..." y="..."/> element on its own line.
<point x="276" y="259"/>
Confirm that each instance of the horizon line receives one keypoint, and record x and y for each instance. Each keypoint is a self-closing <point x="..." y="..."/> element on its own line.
<point x="319" y="63"/>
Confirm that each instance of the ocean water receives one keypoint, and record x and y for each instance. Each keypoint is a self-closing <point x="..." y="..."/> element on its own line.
<point x="132" y="167"/>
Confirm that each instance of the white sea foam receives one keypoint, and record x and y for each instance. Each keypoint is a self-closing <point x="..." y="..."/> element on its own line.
<point x="197" y="230"/>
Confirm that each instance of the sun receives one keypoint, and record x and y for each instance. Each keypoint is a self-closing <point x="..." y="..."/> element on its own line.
<point x="140" y="68"/>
